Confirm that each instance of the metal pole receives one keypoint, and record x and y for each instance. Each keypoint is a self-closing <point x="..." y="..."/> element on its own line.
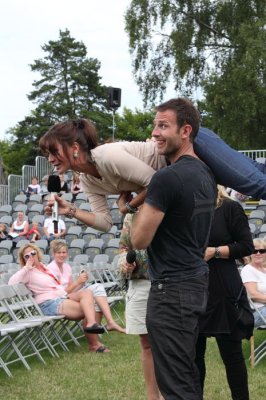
<point x="114" y="126"/>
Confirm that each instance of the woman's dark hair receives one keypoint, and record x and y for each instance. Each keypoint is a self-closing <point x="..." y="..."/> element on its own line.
<point x="81" y="131"/>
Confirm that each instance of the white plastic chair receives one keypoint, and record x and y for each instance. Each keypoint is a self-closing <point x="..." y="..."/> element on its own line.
<point x="257" y="353"/>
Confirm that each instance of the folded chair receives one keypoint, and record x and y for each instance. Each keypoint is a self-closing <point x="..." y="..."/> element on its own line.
<point x="73" y="232"/>
<point x="10" y="334"/>
<point x="96" y="272"/>
<point x="257" y="353"/>
<point x="5" y="247"/>
<point x="112" y="248"/>
<point x="89" y="234"/>
<point x="57" y="328"/>
<point x="28" y="343"/>
<point x="94" y="247"/>
<point x="6" y="209"/>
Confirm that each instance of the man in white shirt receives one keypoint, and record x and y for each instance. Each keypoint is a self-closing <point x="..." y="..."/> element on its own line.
<point x="48" y="229"/>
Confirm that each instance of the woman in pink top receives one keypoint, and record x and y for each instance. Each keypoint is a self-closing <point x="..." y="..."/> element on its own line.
<point x="49" y="292"/>
<point x="63" y="272"/>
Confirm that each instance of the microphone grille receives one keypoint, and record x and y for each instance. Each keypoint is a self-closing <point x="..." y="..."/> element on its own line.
<point x="131" y="256"/>
<point x="54" y="184"/>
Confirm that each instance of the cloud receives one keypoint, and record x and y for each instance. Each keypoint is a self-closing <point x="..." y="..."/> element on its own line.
<point x="29" y="24"/>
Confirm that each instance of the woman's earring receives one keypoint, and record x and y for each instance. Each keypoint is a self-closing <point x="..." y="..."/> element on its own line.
<point x="75" y="154"/>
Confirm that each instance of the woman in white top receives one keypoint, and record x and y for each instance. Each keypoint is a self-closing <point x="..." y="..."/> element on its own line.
<point x="254" y="278"/>
<point x="19" y="228"/>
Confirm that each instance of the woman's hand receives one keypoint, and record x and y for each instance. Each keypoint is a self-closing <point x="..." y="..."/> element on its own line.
<point x="83" y="277"/>
<point x="128" y="268"/>
<point x="29" y="264"/>
<point x="63" y="206"/>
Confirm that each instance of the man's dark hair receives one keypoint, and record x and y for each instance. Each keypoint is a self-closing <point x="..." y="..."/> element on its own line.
<point x="186" y="113"/>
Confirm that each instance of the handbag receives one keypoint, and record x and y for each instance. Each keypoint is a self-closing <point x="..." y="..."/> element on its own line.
<point x="241" y="310"/>
<point x="244" y="312"/>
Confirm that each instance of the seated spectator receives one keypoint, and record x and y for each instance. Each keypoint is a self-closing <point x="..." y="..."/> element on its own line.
<point x="33" y="188"/>
<point x="48" y="229"/>
<point x="75" y="188"/>
<point x="239" y="197"/>
<point x="49" y="292"/>
<point x="19" y="228"/>
<point x="64" y="187"/>
<point x="254" y="278"/>
<point x="44" y="186"/>
<point x="3" y="232"/>
<point x="63" y="273"/>
<point x="34" y="233"/>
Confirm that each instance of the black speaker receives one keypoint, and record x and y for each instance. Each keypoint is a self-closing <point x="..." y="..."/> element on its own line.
<point x="114" y="97"/>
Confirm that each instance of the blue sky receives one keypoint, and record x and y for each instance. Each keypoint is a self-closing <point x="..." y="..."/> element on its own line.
<point x="26" y="25"/>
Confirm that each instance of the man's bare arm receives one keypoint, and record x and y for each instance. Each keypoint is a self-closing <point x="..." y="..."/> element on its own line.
<point x="145" y="226"/>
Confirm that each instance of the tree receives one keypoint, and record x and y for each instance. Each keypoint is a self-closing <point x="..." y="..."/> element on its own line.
<point x="70" y="84"/>
<point x="69" y="87"/>
<point x="216" y="46"/>
<point x="3" y="173"/>
<point x="135" y="125"/>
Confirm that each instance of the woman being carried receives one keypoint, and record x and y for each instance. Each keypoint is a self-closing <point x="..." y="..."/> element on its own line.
<point x="128" y="166"/>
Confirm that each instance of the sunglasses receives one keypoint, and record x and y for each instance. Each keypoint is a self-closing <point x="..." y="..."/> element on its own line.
<point x="27" y="256"/>
<point x="261" y="251"/>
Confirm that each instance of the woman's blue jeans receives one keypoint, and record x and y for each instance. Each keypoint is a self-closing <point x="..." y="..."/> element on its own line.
<point x="231" y="168"/>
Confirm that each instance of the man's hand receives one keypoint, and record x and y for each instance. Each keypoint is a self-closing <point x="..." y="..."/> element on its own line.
<point x="125" y="197"/>
<point x="209" y="253"/>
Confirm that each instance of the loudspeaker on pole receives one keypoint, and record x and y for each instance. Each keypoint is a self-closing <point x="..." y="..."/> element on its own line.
<point x="114" y="97"/>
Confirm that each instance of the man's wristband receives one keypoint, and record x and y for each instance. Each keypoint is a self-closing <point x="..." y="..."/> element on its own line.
<point x="130" y="209"/>
<point x="71" y="212"/>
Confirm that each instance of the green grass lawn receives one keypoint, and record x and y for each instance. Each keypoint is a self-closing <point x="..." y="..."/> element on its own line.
<point x="79" y="374"/>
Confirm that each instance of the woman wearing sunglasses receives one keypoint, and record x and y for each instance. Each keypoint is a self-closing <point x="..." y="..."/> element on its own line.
<point x="49" y="292"/>
<point x="254" y="278"/>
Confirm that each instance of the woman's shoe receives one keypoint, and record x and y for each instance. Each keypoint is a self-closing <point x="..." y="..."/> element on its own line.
<point x="95" y="328"/>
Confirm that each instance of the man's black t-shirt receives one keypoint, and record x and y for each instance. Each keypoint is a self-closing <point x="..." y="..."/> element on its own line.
<point x="186" y="192"/>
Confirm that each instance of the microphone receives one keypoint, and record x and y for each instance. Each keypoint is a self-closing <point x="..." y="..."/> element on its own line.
<point x="131" y="256"/>
<point x="54" y="186"/>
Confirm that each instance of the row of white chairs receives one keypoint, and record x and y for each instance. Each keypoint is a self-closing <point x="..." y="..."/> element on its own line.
<point x="26" y="332"/>
<point x="257" y="353"/>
